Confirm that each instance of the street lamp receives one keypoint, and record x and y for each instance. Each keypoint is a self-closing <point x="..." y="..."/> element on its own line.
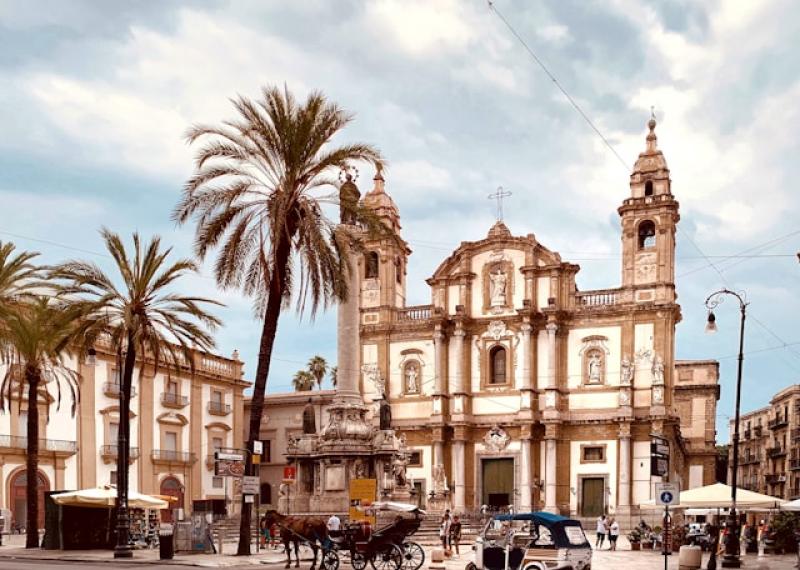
<point x="731" y="558"/>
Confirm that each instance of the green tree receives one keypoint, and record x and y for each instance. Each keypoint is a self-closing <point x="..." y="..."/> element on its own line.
<point x="303" y="381"/>
<point x="318" y="367"/>
<point x="257" y="197"/>
<point x="17" y="275"/>
<point x="143" y="318"/>
<point x="36" y="337"/>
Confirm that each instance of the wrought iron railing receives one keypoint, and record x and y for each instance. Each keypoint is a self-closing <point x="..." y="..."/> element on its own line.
<point x="172" y="399"/>
<point x="113" y="451"/>
<point x="112" y="389"/>
<point x="171" y="455"/>
<point x="219" y="408"/>
<point x="778" y="422"/>
<point x="21" y="442"/>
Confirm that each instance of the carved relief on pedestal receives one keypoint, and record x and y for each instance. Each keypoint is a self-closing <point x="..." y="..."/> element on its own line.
<point x="645" y="271"/>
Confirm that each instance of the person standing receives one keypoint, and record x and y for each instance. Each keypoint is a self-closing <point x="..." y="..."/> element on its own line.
<point x="613" y="534"/>
<point x="444" y="531"/>
<point x="455" y="534"/>
<point x="334" y="525"/>
<point x="602" y="529"/>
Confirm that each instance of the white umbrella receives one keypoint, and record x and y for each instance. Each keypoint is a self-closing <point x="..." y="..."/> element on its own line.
<point x="718" y="496"/>
<point x="106" y="496"/>
<point x="791" y="506"/>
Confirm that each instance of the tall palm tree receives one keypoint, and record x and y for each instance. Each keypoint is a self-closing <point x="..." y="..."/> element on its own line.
<point x="17" y="275"/>
<point x="257" y="195"/>
<point x="303" y="381"/>
<point x="144" y="320"/>
<point x="318" y="367"/>
<point x="36" y="337"/>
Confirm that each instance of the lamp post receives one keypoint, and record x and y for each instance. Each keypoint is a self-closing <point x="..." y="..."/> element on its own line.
<point x="731" y="558"/>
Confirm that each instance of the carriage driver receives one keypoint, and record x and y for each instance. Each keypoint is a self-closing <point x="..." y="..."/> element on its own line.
<point x="334" y="526"/>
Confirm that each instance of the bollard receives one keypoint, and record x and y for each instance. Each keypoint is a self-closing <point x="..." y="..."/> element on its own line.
<point x="690" y="558"/>
<point x="437" y="559"/>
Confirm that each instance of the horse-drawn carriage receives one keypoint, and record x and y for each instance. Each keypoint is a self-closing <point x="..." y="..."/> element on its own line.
<point x="386" y="548"/>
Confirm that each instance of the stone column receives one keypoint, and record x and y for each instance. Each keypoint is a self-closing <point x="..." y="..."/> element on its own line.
<point x="551" y="471"/>
<point x="439" y="372"/>
<point x="458" y="473"/>
<point x="459" y="402"/>
<point x="551" y="355"/>
<point x="348" y="342"/>
<point x="624" y="498"/>
<point x="527" y="377"/>
<point x="525" y="475"/>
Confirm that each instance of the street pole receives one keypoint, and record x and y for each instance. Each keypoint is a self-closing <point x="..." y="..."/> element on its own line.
<point x="731" y="558"/>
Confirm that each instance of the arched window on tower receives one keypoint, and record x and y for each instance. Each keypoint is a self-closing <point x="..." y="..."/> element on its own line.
<point x="647" y="234"/>
<point x="497" y="365"/>
<point x="371" y="262"/>
<point x="648" y="188"/>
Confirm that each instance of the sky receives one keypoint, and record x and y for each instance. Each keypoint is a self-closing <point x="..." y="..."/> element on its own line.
<point x="96" y="96"/>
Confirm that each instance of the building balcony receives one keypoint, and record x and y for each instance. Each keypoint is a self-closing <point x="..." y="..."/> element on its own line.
<point x="794" y="493"/>
<point x="794" y="464"/>
<point x="776" y="451"/>
<point x="750" y="459"/>
<point x="795" y="435"/>
<point x="171" y="400"/>
<point x="415" y="313"/>
<point x="778" y="422"/>
<point x="219" y="408"/>
<point x="112" y="390"/>
<point x="110" y="453"/>
<point x="15" y="444"/>
<point x="758" y="431"/>
<point x="748" y="433"/>
<point x="171" y="456"/>
<point x="775" y="478"/>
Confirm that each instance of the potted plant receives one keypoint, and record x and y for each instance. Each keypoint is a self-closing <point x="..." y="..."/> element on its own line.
<point x="635" y="538"/>
<point x="647" y="540"/>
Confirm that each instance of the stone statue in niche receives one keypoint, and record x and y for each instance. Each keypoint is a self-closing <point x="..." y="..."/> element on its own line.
<point x="624" y="398"/>
<point x="658" y="370"/>
<point x="385" y="411"/>
<point x="626" y="372"/>
<point x="439" y="479"/>
<point x="595" y="369"/>
<point x="497" y="288"/>
<point x="411" y="378"/>
<point x="399" y="471"/>
<point x="309" y="419"/>
<point x="658" y="394"/>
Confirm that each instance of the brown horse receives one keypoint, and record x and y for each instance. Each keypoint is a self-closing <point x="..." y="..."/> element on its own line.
<point x="297" y="529"/>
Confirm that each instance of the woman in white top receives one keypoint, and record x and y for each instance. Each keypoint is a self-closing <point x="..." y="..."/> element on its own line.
<point x="602" y="530"/>
<point x="613" y="534"/>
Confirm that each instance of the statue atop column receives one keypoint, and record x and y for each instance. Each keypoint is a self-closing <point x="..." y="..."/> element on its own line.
<point x="349" y="195"/>
<point x="309" y="419"/>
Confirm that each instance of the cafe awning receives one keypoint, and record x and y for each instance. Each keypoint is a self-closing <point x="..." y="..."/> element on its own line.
<point x="718" y="496"/>
<point x="105" y="497"/>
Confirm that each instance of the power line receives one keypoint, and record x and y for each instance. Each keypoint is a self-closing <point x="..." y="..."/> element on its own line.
<point x="558" y="85"/>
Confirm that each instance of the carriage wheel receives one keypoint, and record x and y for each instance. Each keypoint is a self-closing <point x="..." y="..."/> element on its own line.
<point x="357" y="561"/>
<point x="413" y="556"/>
<point x="330" y="560"/>
<point x="387" y="557"/>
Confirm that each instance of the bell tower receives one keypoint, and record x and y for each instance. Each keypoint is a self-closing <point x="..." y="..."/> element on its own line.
<point x="383" y="282"/>
<point x="649" y="220"/>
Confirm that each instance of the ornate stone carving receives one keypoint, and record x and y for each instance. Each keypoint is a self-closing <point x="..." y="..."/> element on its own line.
<point x="626" y="372"/>
<point x="624" y="397"/>
<point x="496" y="329"/>
<point x="658" y="394"/>
<point x="411" y="370"/>
<point x="496" y="439"/>
<point x="594" y="353"/>
<point x="373" y="374"/>
<point x="497" y="288"/>
<point x="439" y="479"/>
<point x="658" y="370"/>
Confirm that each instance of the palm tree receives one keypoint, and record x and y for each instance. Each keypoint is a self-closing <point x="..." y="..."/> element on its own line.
<point x="318" y="367"/>
<point x="257" y="196"/>
<point x="36" y="337"/>
<point x="303" y="381"/>
<point x="143" y="319"/>
<point x="333" y="372"/>
<point x="17" y="274"/>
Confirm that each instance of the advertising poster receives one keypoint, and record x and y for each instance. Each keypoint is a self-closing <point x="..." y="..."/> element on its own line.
<point x="362" y="495"/>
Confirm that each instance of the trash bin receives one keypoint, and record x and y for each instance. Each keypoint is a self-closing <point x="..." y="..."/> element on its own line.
<point x="166" y="544"/>
<point x="690" y="557"/>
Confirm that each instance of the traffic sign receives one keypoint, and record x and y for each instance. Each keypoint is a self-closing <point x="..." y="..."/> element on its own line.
<point x="258" y="447"/>
<point x="667" y="494"/>
<point x="250" y="484"/>
<point x="229" y="456"/>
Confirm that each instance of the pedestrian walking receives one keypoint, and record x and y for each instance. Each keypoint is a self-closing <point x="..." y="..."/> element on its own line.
<point x="613" y="534"/>
<point x="602" y="530"/>
<point x="444" y="532"/>
<point x="455" y="535"/>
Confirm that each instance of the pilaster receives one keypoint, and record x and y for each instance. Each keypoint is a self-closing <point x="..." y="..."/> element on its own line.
<point x="88" y="450"/>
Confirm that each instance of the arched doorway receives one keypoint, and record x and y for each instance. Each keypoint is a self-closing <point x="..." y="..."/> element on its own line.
<point x="172" y="487"/>
<point x="18" y="499"/>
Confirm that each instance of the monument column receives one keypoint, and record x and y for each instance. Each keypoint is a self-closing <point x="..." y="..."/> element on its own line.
<point x="348" y="344"/>
<point x="551" y="472"/>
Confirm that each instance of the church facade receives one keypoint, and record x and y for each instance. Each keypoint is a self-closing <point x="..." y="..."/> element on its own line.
<point x="513" y="387"/>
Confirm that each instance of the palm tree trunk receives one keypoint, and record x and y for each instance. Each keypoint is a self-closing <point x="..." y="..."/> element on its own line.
<point x="268" y="332"/>
<point x="32" y="378"/>
<point x="122" y="549"/>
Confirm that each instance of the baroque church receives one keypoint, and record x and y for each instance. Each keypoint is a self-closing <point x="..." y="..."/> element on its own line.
<point x="515" y="388"/>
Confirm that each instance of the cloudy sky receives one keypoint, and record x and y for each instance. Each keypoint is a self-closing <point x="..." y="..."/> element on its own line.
<point x="95" y="98"/>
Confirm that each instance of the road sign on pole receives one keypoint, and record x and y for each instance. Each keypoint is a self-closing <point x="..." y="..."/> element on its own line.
<point x="250" y="484"/>
<point x="667" y="494"/>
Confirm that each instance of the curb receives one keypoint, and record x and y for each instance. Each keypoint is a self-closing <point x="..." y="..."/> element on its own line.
<point x="132" y="561"/>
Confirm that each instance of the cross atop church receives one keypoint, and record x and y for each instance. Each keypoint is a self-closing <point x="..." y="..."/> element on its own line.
<point x="499" y="195"/>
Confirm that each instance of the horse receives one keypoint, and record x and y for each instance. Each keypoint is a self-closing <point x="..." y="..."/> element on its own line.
<point x="297" y="529"/>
